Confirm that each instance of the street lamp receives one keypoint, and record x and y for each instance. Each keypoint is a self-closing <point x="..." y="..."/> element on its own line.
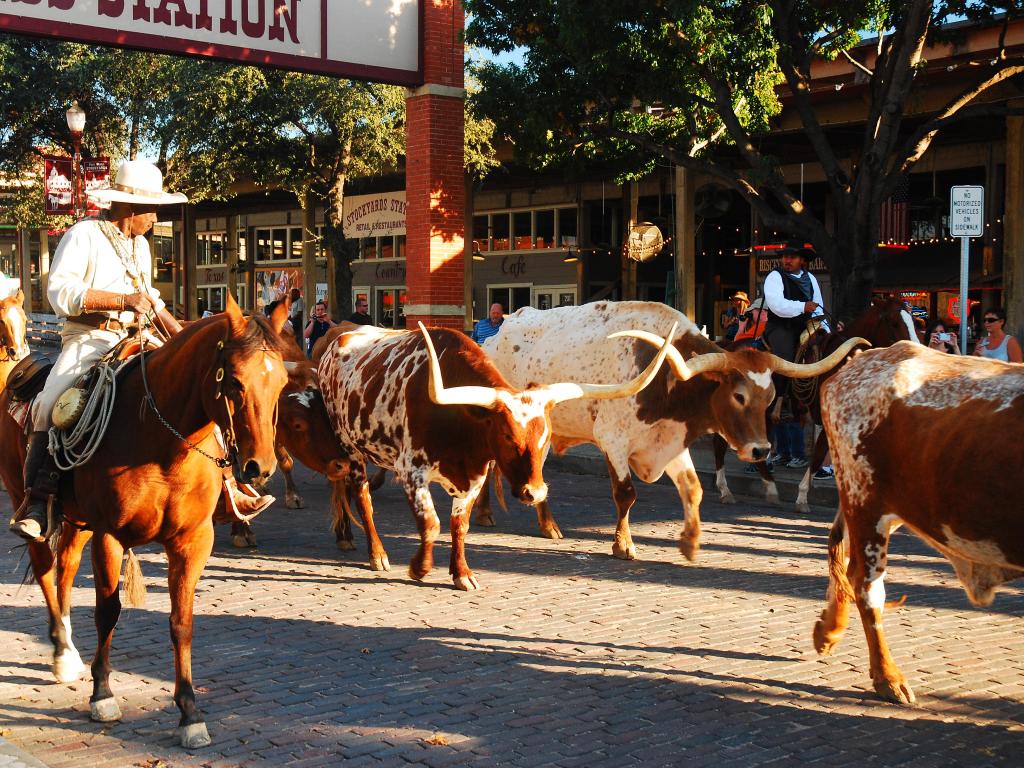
<point x="76" y="124"/>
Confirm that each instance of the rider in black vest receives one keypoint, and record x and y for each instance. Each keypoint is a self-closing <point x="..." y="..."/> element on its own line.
<point x="791" y="297"/>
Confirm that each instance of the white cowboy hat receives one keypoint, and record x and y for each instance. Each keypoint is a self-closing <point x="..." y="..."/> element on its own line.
<point x="138" y="181"/>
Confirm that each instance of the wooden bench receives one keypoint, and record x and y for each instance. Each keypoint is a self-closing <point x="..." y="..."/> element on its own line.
<point x="43" y="330"/>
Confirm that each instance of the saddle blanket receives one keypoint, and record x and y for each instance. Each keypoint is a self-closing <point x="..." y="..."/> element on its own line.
<point x="20" y="410"/>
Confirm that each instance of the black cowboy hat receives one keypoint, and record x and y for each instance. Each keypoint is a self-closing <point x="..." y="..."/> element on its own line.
<point x="798" y="248"/>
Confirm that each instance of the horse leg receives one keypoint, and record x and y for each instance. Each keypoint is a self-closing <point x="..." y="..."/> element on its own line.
<point x="242" y="535"/>
<point x="462" y="576"/>
<point x="725" y="495"/>
<point x="484" y="516"/>
<point x="107" y="553"/>
<point x="185" y="562"/>
<point x="682" y="473"/>
<point x="417" y="491"/>
<point x="817" y="460"/>
<point x="67" y="663"/>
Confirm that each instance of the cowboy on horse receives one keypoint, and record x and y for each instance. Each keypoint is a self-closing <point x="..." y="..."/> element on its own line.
<point x="99" y="284"/>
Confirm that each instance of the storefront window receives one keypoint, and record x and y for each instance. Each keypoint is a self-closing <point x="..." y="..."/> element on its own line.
<point x="279" y="243"/>
<point x="400" y="246"/>
<point x="566" y="227"/>
<point x="210" y="248"/>
<point x="481" y="238"/>
<point x="510" y="297"/>
<point x="389" y="309"/>
<point x="387" y="247"/>
<point x="161" y="246"/>
<point x="545" y="229"/>
<point x="295" y="239"/>
<point x="263" y="248"/>
<point x="522" y="223"/>
<point x="368" y="248"/>
<point x="500" y="228"/>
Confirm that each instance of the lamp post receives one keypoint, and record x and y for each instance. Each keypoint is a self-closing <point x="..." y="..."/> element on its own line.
<point x="76" y="124"/>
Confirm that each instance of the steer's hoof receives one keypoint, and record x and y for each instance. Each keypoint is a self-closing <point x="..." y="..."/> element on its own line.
<point x="104" y="710"/>
<point x="241" y="541"/>
<point x="420" y="573"/>
<point x="554" y="532"/>
<point x="194" y="736"/>
<point x="346" y="545"/>
<point x="689" y="547"/>
<point x="624" y="553"/>
<point x="487" y="521"/>
<point x="68" y="667"/>
<point x="727" y="498"/>
<point x="895" y="690"/>
<point x="824" y="642"/>
<point x="803" y="507"/>
<point x="466" y="583"/>
<point x="294" y="501"/>
<point x="383" y="564"/>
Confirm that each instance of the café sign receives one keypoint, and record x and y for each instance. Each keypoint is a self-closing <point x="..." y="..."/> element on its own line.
<point x="376" y="40"/>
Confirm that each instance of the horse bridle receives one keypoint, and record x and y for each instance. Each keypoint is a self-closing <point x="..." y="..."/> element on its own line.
<point x="230" y="459"/>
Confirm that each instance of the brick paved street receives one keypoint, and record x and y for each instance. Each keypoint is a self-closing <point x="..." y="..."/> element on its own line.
<point x="567" y="656"/>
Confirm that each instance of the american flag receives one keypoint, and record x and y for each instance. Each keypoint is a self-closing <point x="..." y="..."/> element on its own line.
<point x="895" y="215"/>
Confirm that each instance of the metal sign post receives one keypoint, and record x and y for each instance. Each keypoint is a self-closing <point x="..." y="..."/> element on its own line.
<point x="966" y="220"/>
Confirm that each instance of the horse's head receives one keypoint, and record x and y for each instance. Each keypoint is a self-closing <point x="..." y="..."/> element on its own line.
<point x="884" y="323"/>
<point x="13" y="324"/>
<point x="247" y="379"/>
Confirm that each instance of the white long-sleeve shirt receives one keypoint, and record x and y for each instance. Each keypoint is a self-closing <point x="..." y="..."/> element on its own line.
<point x="85" y="259"/>
<point x="776" y="301"/>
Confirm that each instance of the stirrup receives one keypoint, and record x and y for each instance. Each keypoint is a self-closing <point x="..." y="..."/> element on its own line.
<point x="255" y="502"/>
<point x="28" y="527"/>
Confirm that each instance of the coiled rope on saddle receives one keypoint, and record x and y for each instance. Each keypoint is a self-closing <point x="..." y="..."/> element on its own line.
<point x="73" y="448"/>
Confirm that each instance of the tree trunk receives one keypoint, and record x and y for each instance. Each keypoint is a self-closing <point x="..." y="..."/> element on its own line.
<point x="343" y="251"/>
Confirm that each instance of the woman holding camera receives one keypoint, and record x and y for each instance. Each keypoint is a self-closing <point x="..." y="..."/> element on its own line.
<point x="939" y="338"/>
<point x="998" y="344"/>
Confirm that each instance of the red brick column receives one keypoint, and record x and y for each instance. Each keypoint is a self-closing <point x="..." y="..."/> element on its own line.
<point x="434" y="187"/>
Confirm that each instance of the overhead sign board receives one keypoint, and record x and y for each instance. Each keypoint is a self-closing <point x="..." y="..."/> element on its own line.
<point x="379" y="215"/>
<point x="967" y="211"/>
<point x="376" y="40"/>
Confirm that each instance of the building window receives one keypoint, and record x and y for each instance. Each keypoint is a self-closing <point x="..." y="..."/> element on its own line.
<point x="511" y="297"/>
<point x="210" y="248"/>
<point x="481" y="233"/>
<point x="566" y="227"/>
<point x="162" y="248"/>
<point x="295" y="242"/>
<point x="382" y="247"/>
<point x="500" y="230"/>
<point x="525" y="230"/>
<point x="210" y="298"/>
<point x="388" y="310"/>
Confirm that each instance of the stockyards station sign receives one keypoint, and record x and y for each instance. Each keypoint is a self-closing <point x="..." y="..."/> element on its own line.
<point x="380" y="215"/>
<point x="376" y="40"/>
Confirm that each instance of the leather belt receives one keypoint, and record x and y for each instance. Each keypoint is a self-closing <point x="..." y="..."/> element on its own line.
<point x="99" y="321"/>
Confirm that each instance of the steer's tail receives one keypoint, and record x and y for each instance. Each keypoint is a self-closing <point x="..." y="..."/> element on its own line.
<point x="838" y="559"/>
<point x="133" y="586"/>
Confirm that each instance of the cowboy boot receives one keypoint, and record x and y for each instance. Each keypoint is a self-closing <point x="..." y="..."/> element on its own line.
<point x="243" y="499"/>
<point x="33" y="521"/>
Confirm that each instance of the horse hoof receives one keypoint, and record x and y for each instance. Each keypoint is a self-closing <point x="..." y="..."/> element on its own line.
<point x="294" y="501"/>
<point x="194" y="736"/>
<point x="803" y="507"/>
<point x="239" y="541"/>
<point x="624" y="553"/>
<point x="466" y="583"/>
<point x="689" y="547"/>
<point x="727" y="498"/>
<point x="554" y="532"/>
<point x="346" y="545"/>
<point x="381" y="563"/>
<point x="487" y="521"/>
<point x="104" y="710"/>
<point x="68" y="667"/>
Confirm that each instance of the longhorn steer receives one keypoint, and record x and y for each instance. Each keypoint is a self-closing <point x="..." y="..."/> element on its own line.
<point x="915" y="438"/>
<point x="649" y="433"/>
<point x="386" y="396"/>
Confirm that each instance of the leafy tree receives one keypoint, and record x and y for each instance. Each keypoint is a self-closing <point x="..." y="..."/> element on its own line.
<point x="713" y="71"/>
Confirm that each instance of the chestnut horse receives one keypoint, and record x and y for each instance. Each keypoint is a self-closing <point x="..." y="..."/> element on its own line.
<point x="13" y="325"/>
<point x="157" y="476"/>
<point x="884" y="323"/>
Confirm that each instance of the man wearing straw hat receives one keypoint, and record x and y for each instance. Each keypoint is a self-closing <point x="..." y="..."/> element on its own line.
<point x="99" y="282"/>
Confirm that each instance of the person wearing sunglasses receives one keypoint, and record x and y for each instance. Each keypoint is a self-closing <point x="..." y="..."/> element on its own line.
<point x="998" y="344"/>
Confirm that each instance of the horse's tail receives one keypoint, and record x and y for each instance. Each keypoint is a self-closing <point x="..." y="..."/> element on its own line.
<point x="134" y="585"/>
<point x="837" y="561"/>
<point x="499" y="487"/>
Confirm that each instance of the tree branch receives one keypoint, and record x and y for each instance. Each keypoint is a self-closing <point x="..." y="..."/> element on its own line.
<point x="846" y="55"/>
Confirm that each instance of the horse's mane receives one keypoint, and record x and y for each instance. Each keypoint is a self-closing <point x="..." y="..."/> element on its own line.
<point x="258" y="335"/>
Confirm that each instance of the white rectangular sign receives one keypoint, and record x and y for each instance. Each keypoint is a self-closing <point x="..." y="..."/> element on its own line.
<point x="967" y="211"/>
<point x="377" y="40"/>
<point x="379" y="215"/>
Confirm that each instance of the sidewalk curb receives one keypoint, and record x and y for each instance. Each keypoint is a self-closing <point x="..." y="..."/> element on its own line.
<point x="823" y="493"/>
<point x="14" y="757"/>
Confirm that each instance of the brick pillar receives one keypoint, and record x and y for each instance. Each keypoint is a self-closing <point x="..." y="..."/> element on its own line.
<point x="434" y="179"/>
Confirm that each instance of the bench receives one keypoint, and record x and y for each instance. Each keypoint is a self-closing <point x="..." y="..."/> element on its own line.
<point x="43" y="330"/>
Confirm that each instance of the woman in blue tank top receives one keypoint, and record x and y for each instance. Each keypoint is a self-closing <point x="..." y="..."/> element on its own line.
<point x="997" y="344"/>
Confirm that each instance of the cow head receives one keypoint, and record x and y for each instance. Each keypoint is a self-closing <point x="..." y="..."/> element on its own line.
<point x="304" y="429"/>
<point x="519" y="432"/>
<point x="745" y="388"/>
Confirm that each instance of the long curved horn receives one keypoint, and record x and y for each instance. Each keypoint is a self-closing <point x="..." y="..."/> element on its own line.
<point x="807" y="370"/>
<point x="485" y="397"/>
<point x="684" y="369"/>
<point x="570" y="390"/>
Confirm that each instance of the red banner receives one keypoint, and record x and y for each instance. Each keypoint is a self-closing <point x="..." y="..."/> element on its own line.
<point x="57" y="189"/>
<point x="96" y="172"/>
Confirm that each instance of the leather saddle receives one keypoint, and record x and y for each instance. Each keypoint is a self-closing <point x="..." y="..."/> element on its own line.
<point x="28" y="376"/>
